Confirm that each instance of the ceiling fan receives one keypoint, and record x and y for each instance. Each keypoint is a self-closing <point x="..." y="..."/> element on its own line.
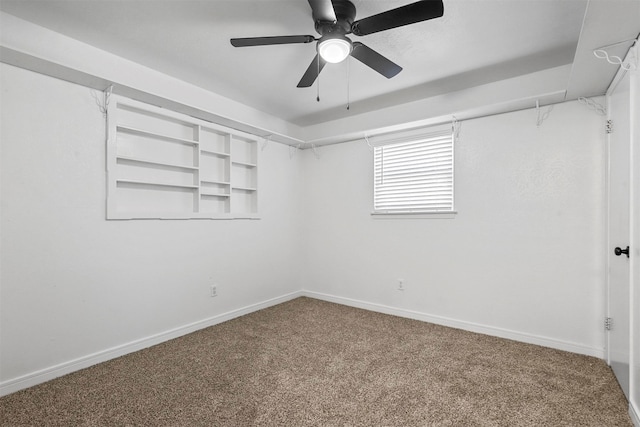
<point x="335" y="19"/>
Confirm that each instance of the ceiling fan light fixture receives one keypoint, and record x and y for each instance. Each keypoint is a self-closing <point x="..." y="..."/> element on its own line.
<point x="334" y="49"/>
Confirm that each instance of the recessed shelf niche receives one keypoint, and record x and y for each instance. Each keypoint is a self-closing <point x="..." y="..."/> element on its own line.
<point x="163" y="164"/>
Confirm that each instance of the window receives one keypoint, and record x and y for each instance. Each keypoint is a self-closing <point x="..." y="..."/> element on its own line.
<point x="413" y="172"/>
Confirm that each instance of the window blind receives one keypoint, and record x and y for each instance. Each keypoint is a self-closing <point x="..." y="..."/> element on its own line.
<point x="414" y="175"/>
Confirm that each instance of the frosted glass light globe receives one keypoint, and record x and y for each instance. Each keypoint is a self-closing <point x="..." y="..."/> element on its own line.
<point x="334" y="50"/>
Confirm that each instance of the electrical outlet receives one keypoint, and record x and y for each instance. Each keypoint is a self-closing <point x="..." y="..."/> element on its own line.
<point x="214" y="291"/>
<point x="401" y="284"/>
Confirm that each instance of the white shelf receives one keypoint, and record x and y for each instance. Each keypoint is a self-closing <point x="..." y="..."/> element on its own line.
<point x="215" y="153"/>
<point x="141" y="132"/>
<point x="156" y="183"/>
<point x="206" y="194"/>
<point x="175" y="215"/>
<point x="156" y="163"/>
<point x="205" y="181"/>
<point x="248" y="189"/>
<point x="245" y="216"/>
<point x="245" y="164"/>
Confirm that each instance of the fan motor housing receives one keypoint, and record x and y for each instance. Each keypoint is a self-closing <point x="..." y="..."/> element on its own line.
<point x="345" y="14"/>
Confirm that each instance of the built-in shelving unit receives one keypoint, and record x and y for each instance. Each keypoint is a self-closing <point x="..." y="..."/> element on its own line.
<point x="163" y="164"/>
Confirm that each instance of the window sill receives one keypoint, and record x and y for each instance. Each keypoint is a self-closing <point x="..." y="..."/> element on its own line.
<point x="416" y="215"/>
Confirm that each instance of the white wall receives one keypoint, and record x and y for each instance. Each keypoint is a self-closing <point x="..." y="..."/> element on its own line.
<point x="36" y="48"/>
<point x="74" y="284"/>
<point x="523" y="258"/>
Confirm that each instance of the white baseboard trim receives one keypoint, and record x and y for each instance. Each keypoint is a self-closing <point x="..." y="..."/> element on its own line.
<point x="47" y="374"/>
<point x="459" y="324"/>
<point x="634" y="413"/>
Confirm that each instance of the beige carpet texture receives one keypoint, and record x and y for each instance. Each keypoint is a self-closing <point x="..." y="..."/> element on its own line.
<point x="312" y="363"/>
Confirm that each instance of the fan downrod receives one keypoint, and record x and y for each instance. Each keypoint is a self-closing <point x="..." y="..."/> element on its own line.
<point x="345" y="14"/>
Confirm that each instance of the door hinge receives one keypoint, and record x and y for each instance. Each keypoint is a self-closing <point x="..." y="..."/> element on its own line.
<point x="609" y="126"/>
<point x="608" y="323"/>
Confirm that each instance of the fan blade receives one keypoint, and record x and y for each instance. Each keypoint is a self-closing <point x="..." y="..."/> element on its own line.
<point x="405" y="15"/>
<point x="374" y="60"/>
<point x="312" y="72"/>
<point x="263" y="41"/>
<point x="323" y="11"/>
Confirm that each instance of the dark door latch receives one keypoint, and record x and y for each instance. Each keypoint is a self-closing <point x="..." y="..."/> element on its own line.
<point x="619" y="251"/>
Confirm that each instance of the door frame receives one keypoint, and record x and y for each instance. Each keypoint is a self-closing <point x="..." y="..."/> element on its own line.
<point x="632" y="57"/>
<point x="610" y="243"/>
<point x="634" y="231"/>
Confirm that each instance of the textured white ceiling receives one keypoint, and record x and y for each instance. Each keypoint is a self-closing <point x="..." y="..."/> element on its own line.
<point x="475" y="42"/>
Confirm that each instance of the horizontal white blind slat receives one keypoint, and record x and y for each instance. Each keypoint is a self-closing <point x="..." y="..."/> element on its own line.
<point x="411" y="153"/>
<point x="412" y="177"/>
<point x="408" y="184"/>
<point x="418" y="160"/>
<point x="436" y="191"/>
<point x="397" y="186"/>
<point x="386" y="140"/>
<point x="415" y="207"/>
<point x="391" y="151"/>
<point x="428" y="169"/>
<point x="418" y="146"/>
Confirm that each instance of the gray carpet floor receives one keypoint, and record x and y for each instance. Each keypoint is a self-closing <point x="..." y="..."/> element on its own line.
<point x="313" y="363"/>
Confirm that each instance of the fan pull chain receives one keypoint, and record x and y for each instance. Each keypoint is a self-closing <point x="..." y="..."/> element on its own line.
<point x="348" y="79"/>
<point x="318" y="86"/>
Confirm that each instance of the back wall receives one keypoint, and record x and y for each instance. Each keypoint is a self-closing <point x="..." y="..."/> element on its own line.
<point x="523" y="258"/>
